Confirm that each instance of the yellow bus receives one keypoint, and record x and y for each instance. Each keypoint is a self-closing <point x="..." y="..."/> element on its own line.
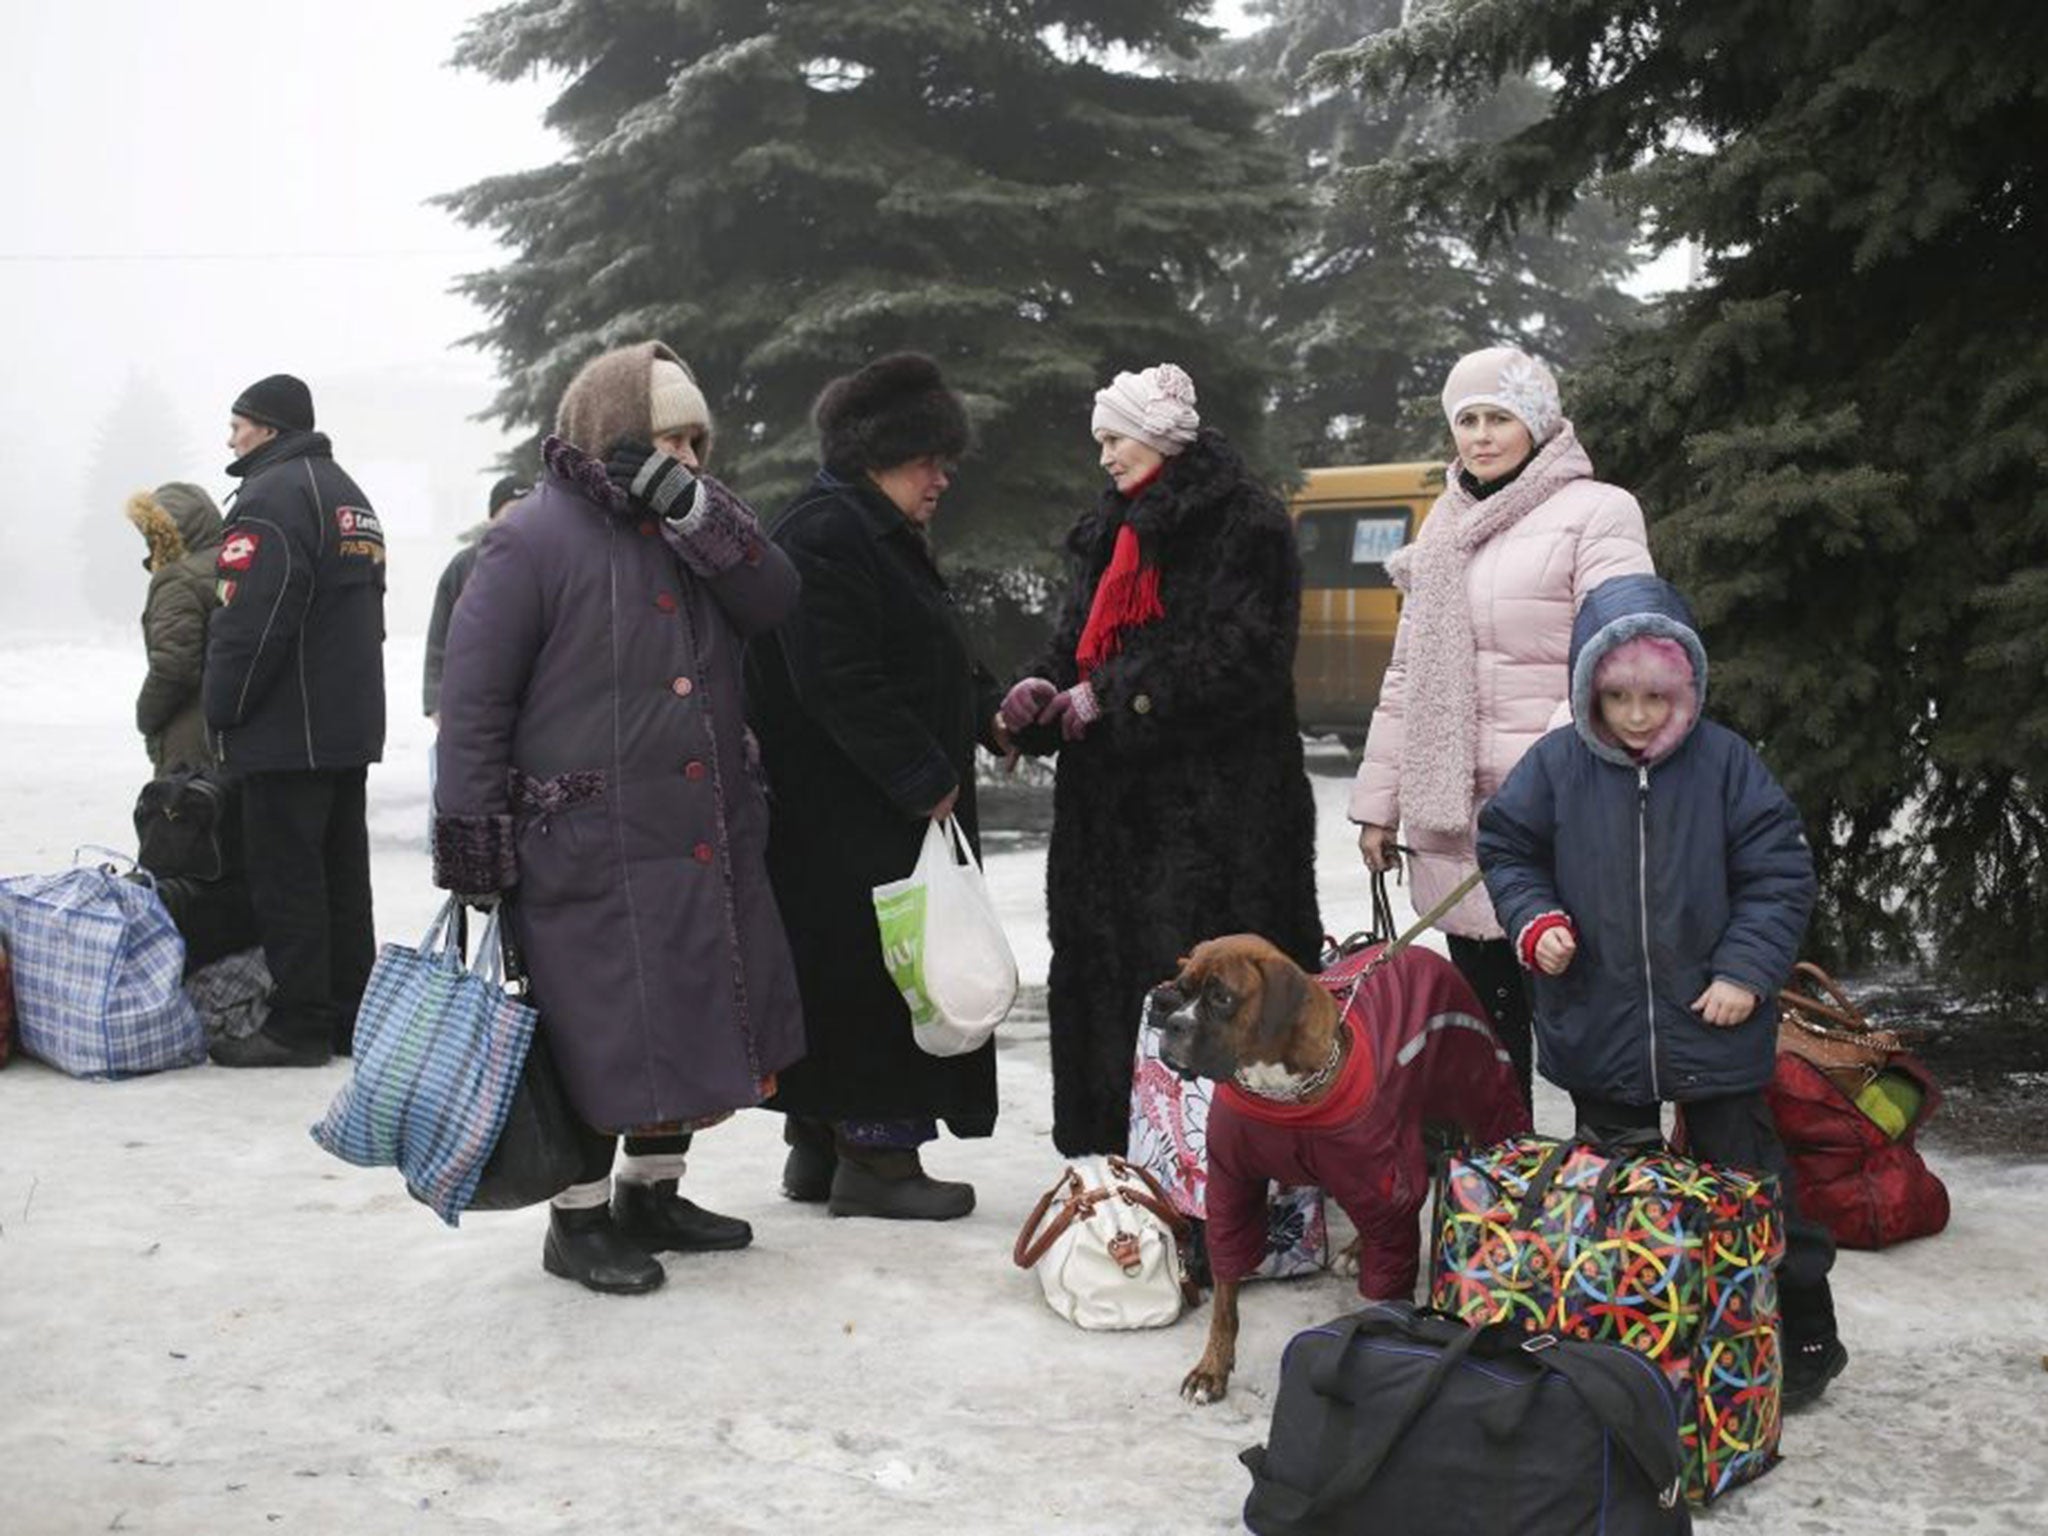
<point x="1347" y="521"/>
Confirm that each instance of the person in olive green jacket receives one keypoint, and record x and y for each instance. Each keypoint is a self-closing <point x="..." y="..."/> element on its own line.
<point x="183" y="529"/>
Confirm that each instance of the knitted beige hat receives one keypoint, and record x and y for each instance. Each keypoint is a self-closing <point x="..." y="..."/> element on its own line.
<point x="1155" y="406"/>
<point x="1511" y="379"/>
<point x="678" y="402"/>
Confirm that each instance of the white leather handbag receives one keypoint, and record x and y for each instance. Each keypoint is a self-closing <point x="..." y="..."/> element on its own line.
<point x="1105" y="1242"/>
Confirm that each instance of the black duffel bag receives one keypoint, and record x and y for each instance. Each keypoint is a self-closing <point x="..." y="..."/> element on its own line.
<point x="1391" y="1422"/>
<point x="188" y="824"/>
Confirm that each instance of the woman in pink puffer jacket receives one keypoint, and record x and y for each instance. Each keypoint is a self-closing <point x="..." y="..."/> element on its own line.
<point x="1520" y="535"/>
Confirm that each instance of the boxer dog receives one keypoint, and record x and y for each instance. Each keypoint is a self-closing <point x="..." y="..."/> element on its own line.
<point x="1329" y="1081"/>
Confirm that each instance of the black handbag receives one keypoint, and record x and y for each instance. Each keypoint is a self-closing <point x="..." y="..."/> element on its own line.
<point x="188" y="824"/>
<point x="542" y="1148"/>
<point x="1399" y="1423"/>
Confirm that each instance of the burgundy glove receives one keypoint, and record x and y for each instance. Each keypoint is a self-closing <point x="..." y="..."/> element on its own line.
<point x="1023" y="703"/>
<point x="1073" y="711"/>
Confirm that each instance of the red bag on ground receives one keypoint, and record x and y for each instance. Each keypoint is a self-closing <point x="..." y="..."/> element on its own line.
<point x="1868" y="1188"/>
<point x="1837" y="1077"/>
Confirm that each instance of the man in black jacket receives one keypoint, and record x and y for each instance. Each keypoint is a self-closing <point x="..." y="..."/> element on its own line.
<point x="294" y="691"/>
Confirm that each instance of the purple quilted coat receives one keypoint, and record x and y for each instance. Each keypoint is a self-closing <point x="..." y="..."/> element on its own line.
<point x="594" y="765"/>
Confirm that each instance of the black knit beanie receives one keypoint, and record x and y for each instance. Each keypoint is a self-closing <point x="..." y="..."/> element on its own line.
<point x="279" y="401"/>
<point x="894" y="410"/>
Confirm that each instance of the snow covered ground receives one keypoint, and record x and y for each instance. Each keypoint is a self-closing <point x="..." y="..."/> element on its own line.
<point x="208" y="1326"/>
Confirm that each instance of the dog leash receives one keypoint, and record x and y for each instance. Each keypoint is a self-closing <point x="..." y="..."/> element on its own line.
<point x="1412" y="933"/>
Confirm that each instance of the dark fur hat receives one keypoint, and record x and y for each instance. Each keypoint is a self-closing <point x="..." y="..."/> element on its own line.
<point x="895" y="409"/>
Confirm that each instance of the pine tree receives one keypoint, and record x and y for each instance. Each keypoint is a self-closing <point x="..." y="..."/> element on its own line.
<point x="782" y="192"/>
<point x="1371" y="305"/>
<point x="1841" y="431"/>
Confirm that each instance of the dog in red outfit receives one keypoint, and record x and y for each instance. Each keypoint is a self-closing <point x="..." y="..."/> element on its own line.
<point x="1328" y="1080"/>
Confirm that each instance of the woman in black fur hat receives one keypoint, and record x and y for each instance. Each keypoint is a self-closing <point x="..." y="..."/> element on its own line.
<point x="1182" y="810"/>
<point x="868" y="704"/>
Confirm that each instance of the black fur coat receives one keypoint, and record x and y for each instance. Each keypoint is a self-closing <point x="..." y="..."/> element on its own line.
<point x="1184" y="812"/>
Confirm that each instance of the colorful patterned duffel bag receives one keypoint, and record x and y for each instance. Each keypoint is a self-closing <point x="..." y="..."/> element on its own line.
<point x="1645" y="1248"/>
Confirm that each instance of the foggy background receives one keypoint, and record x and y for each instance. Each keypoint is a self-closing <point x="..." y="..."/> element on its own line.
<point x="205" y="193"/>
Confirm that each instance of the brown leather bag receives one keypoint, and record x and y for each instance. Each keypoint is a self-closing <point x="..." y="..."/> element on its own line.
<point x="1832" y="1033"/>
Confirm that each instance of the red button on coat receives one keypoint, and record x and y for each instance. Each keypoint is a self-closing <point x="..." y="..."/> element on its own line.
<point x="648" y="529"/>
<point x="693" y="770"/>
<point x="702" y="853"/>
<point x="665" y="601"/>
<point x="683" y="687"/>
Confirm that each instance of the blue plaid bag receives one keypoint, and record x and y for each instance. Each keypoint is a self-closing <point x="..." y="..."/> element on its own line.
<point x="438" y="1052"/>
<point x="97" y="966"/>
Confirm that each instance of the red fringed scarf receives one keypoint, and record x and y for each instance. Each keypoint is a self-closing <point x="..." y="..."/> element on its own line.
<point x="1126" y="597"/>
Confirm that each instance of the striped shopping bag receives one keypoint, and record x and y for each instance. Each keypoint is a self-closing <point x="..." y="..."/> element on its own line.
<point x="438" y="1053"/>
<point x="97" y="964"/>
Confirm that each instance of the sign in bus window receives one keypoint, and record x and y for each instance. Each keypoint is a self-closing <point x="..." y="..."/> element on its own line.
<point x="1375" y="539"/>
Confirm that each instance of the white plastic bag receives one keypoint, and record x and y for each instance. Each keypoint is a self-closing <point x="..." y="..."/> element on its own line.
<point x="944" y="945"/>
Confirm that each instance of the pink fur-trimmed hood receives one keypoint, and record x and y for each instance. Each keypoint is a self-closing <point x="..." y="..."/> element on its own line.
<point x="1639" y="629"/>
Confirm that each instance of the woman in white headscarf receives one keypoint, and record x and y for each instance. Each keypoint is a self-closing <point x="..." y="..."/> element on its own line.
<point x="1182" y="810"/>
<point x="1520" y="535"/>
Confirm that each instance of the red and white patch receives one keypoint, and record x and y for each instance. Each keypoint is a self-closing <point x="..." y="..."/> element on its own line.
<point x="238" y="550"/>
<point x="358" y="521"/>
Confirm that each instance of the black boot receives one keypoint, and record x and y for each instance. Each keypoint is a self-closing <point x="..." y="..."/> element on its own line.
<point x="656" y="1218"/>
<point x="1814" y="1355"/>
<point x="891" y="1182"/>
<point x="587" y="1247"/>
<point x="1809" y="1367"/>
<point x="263" y="1049"/>
<point x="807" y="1171"/>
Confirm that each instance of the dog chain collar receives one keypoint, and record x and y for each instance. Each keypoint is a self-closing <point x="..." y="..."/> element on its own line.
<point x="1309" y="1086"/>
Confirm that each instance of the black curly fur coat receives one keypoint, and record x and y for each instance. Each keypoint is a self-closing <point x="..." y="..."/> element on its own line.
<point x="1185" y="811"/>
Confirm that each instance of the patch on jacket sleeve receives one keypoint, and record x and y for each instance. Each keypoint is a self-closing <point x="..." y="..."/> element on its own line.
<point x="238" y="550"/>
<point x="362" y="534"/>
<point x="224" y="589"/>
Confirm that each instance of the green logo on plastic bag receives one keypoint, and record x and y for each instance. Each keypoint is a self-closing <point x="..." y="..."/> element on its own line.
<point x="900" y="916"/>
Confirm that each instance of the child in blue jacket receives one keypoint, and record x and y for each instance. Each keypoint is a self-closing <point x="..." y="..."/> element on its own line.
<point x="1656" y="883"/>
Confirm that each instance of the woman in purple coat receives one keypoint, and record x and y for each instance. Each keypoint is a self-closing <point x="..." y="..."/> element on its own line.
<point x="596" y="774"/>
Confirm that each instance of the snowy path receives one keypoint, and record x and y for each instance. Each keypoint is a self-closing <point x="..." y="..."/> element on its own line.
<point x="207" y="1326"/>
